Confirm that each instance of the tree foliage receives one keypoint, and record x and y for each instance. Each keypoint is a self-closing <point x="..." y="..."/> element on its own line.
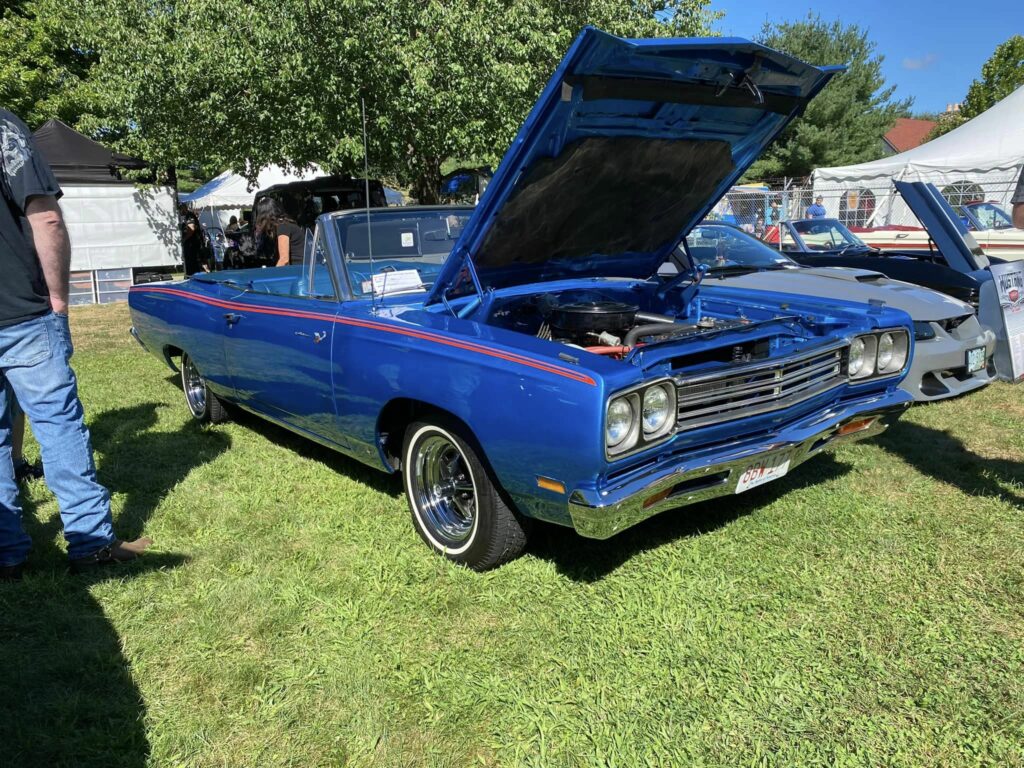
<point x="244" y="83"/>
<point x="845" y="123"/>
<point x="40" y="73"/>
<point x="1001" y="75"/>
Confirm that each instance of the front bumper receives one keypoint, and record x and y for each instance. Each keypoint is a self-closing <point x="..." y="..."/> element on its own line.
<point x="600" y="514"/>
<point x="939" y="367"/>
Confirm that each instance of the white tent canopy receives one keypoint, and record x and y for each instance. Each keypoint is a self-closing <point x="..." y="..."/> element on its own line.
<point x="232" y="190"/>
<point x="224" y="196"/>
<point x="980" y="159"/>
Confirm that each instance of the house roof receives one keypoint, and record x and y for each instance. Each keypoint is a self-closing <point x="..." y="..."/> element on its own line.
<point x="908" y="133"/>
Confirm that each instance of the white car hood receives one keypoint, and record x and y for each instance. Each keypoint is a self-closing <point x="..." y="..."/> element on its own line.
<point x="858" y="285"/>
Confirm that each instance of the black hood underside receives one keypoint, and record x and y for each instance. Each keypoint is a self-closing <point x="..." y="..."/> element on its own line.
<point x="604" y="198"/>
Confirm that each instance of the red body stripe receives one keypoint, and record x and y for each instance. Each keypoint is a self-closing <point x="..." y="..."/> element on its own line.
<point x="377" y="326"/>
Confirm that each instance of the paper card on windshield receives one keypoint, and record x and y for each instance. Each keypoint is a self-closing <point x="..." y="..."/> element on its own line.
<point x="397" y="281"/>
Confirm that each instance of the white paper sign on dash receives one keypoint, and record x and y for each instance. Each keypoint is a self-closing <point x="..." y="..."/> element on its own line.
<point x="398" y="281"/>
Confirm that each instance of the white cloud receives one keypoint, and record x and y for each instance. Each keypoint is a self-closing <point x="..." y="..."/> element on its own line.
<point x="922" y="62"/>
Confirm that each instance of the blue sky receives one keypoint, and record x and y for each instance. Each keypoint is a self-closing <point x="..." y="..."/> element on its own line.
<point x="933" y="49"/>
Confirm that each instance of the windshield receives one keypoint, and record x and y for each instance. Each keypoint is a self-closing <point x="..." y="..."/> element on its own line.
<point x="989" y="216"/>
<point x="397" y="251"/>
<point x="826" y="235"/>
<point x="722" y="247"/>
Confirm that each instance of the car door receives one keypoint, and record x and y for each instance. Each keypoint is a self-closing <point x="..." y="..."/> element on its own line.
<point x="278" y="345"/>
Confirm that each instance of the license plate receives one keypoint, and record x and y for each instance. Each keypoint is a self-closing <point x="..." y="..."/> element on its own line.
<point x="975" y="359"/>
<point x="763" y="471"/>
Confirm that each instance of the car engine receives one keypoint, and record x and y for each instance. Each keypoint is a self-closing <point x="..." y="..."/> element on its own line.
<point x="602" y="325"/>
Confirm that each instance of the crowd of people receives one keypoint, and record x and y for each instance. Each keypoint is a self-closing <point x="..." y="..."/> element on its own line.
<point x="273" y="238"/>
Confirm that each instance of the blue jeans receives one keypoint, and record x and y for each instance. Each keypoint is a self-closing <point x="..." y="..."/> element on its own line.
<point x="34" y="364"/>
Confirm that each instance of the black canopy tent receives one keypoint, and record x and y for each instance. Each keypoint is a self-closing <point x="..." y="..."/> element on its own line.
<point x="116" y="226"/>
<point x="77" y="159"/>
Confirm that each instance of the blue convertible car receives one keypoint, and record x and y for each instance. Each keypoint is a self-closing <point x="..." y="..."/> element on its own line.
<point x="523" y="360"/>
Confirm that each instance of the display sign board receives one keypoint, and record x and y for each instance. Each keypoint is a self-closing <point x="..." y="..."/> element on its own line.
<point x="1003" y="309"/>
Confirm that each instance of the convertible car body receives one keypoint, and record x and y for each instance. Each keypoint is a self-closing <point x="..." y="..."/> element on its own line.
<point x="990" y="226"/>
<point x="953" y="354"/>
<point x="522" y="359"/>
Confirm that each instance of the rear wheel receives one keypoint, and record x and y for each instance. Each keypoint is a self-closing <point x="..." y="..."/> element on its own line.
<point x="456" y="507"/>
<point x="202" y="403"/>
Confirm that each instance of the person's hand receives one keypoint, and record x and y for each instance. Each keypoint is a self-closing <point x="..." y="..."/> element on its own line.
<point x="59" y="305"/>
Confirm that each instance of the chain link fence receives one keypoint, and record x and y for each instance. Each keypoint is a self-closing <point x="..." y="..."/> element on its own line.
<point x="873" y="204"/>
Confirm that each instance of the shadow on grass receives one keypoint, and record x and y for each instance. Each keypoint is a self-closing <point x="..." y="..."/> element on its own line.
<point x="942" y="456"/>
<point x="382" y="482"/>
<point x="591" y="560"/>
<point x="67" y="697"/>
<point x="145" y="465"/>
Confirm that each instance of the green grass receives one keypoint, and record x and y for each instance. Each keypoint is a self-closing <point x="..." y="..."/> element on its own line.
<point x="867" y="610"/>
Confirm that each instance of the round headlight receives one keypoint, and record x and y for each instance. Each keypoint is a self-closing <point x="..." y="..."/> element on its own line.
<point x="619" y="421"/>
<point x="885" y="348"/>
<point x="901" y="351"/>
<point x="655" y="409"/>
<point x="856" y="357"/>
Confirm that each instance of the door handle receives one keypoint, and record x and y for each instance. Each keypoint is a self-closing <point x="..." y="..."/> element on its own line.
<point x="232" y="318"/>
<point x="316" y="336"/>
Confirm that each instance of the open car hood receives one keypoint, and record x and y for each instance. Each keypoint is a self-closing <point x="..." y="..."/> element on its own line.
<point x="945" y="228"/>
<point x="629" y="145"/>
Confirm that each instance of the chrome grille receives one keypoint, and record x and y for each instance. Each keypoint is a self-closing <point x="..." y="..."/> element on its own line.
<point x="759" y="388"/>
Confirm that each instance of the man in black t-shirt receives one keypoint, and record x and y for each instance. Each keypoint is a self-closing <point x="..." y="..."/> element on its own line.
<point x="35" y="349"/>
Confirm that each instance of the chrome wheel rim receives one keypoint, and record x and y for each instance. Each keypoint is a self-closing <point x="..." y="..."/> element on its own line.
<point x="444" y="493"/>
<point x="195" y="388"/>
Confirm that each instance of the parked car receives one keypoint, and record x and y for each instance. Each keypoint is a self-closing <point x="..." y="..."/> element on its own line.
<point x="953" y="353"/>
<point x="991" y="229"/>
<point x="984" y="215"/>
<point x="305" y="200"/>
<point x="522" y="359"/>
<point x="951" y="263"/>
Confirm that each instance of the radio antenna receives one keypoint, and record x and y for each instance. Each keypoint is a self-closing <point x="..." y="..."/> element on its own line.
<point x="366" y="193"/>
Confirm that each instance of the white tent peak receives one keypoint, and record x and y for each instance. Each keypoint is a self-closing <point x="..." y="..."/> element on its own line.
<point x="983" y="157"/>
<point x="992" y="141"/>
<point x="233" y="190"/>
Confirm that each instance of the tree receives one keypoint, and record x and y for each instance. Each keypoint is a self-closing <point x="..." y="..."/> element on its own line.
<point x="39" y="72"/>
<point x="846" y="121"/>
<point x="1001" y="75"/>
<point x="245" y="83"/>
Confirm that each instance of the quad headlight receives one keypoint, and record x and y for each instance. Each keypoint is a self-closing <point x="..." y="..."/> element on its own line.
<point x="639" y="417"/>
<point x="620" y="421"/>
<point x="876" y="355"/>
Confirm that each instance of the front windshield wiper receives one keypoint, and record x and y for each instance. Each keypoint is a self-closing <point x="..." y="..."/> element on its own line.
<point x="850" y="246"/>
<point x="731" y="269"/>
<point x="741" y="269"/>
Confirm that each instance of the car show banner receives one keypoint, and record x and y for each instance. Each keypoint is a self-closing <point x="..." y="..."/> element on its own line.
<point x="1002" y="303"/>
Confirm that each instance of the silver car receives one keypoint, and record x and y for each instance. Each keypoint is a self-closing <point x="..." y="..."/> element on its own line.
<point x="952" y="352"/>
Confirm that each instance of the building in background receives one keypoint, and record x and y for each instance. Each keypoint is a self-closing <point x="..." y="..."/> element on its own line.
<point x="907" y="133"/>
<point x="117" y="228"/>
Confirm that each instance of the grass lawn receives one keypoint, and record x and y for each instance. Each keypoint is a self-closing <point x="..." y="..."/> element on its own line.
<point x="867" y="610"/>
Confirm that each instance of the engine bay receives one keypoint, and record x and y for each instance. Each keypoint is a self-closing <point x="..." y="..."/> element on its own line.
<point x="611" y="323"/>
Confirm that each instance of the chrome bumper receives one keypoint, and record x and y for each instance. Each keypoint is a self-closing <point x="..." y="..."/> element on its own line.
<point x="609" y="512"/>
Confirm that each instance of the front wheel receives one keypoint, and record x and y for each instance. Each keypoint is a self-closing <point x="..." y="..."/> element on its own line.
<point x="456" y="507"/>
<point x="202" y="403"/>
